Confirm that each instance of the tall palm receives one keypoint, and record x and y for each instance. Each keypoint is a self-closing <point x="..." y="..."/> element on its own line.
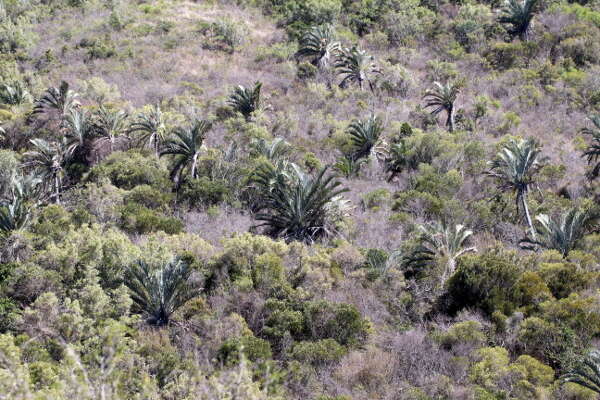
<point x="319" y="44"/>
<point x="159" y="292"/>
<point x="79" y="132"/>
<point x="365" y="135"/>
<point x="245" y="100"/>
<point x="397" y="159"/>
<point x="562" y="235"/>
<point x="186" y="146"/>
<point x="438" y="241"/>
<point x="296" y="205"/>
<point x="60" y="100"/>
<point x="442" y="98"/>
<point x="356" y="66"/>
<point x="592" y="153"/>
<point x="151" y="128"/>
<point x="587" y="373"/>
<point x="48" y="159"/>
<point x="109" y="125"/>
<point x="519" y="15"/>
<point x="515" y="167"/>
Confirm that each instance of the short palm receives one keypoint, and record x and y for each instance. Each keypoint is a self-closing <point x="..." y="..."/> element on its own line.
<point x="397" y="159"/>
<point x="159" y="292"/>
<point x="61" y="100"/>
<point x="592" y="152"/>
<point x="275" y="150"/>
<point x="365" y="135"/>
<point x="186" y="145"/>
<point x="519" y="15"/>
<point x="587" y="373"/>
<point x="442" y="98"/>
<point x="562" y="235"/>
<point x="110" y="125"/>
<point x="296" y="205"/>
<point x="14" y="215"/>
<point x="515" y="167"/>
<point x="356" y="66"/>
<point x="438" y="241"/>
<point x="48" y="159"/>
<point x="245" y="100"/>
<point x="13" y="94"/>
<point x="79" y="132"/>
<point x="150" y="128"/>
<point x="319" y="45"/>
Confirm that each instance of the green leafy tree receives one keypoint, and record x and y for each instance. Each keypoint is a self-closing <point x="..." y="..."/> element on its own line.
<point x="245" y="100"/>
<point x="515" y="167"/>
<point x="60" y="100"/>
<point x="587" y="373"/>
<point x="150" y="128"/>
<point x="592" y="153"/>
<point x="186" y="145"/>
<point x="561" y="235"/>
<point x="319" y="45"/>
<point x="518" y="14"/>
<point x="365" y="136"/>
<point x="296" y="206"/>
<point x="48" y="159"/>
<point x="110" y="125"/>
<point x="159" y="292"/>
<point x="443" y="98"/>
<point x="439" y="241"/>
<point x="356" y="66"/>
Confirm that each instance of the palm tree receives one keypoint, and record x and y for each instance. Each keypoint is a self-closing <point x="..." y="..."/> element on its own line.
<point x="159" y="292"/>
<point x="397" y="159"/>
<point x="48" y="160"/>
<point x="563" y="235"/>
<point x="151" y="128"/>
<point x="319" y="44"/>
<point x="186" y="146"/>
<point x="587" y="373"/>
<point x="14" y="215"/>
<point x="245" y="100"/>
<point x="297" y="206"/>
<point x="109" y="125"/>
<point x="13" y="94"/>
<point x="515" y="167"/>
<point x="61" y="99"/>
<point x="356" y="66"/>
<point x="519" y="15"/>
<point x="365" y="135"/>
<point x="79" y="131"/>
<point x="440" y="242"/>
<point x="275" y="150"/>
<point x="592" y="153"/>
<point x="442" y="98"/>
<point x="349" y="166"/>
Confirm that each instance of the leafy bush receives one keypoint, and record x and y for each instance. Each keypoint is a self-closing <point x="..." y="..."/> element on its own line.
<point x="321" y="352"/>
<point x="136" y="218"/>
<point x="255" y="349"/>
<point x="203" y="192"/>
<point x="342" y="322"/>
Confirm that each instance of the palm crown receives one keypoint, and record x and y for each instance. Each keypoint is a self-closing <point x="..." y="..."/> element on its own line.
<point x="592" y="152"/>
<point x="186" y="146"/>
<point x="109" y="125"/>
<point x="356" y="66"/>
<point x="587" y="373"/>
<point x="48" y="160"/>
<point x="519" y="15"/>
<point x="61" y="99"/>
<point x="151" y="128"/>
<point x="159" y="292"/>
<point x="245" y="100"/>
<point x="319" y="44"/>
<point x="365" y="135"/>
<point x="562" y="235"/>
<point x="515" y="167"/>
<point x="442" y="98"/>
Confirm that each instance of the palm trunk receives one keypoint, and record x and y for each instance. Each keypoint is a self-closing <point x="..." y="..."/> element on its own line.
<point x="527" y="216"/>
<point x="194" y="164"/>
<point x="56" y="189"/>
<point x="450" y="119"/>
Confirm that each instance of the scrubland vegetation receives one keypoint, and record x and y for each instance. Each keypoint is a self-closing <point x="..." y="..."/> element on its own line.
<point x="300" y="199"/>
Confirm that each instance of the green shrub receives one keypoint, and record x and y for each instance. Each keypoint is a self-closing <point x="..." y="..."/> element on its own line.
<point x="306" y="71"/>
<point x="136" y="218"/>
<point x="203" y="192"/>
<point x="321" y="352"/>
<point x="149" y="196"/>
<point x="338" y="321"/>
<point x="462" y="333"/>
<point x="129" y="169"/>
<point x="253" y="348"/>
